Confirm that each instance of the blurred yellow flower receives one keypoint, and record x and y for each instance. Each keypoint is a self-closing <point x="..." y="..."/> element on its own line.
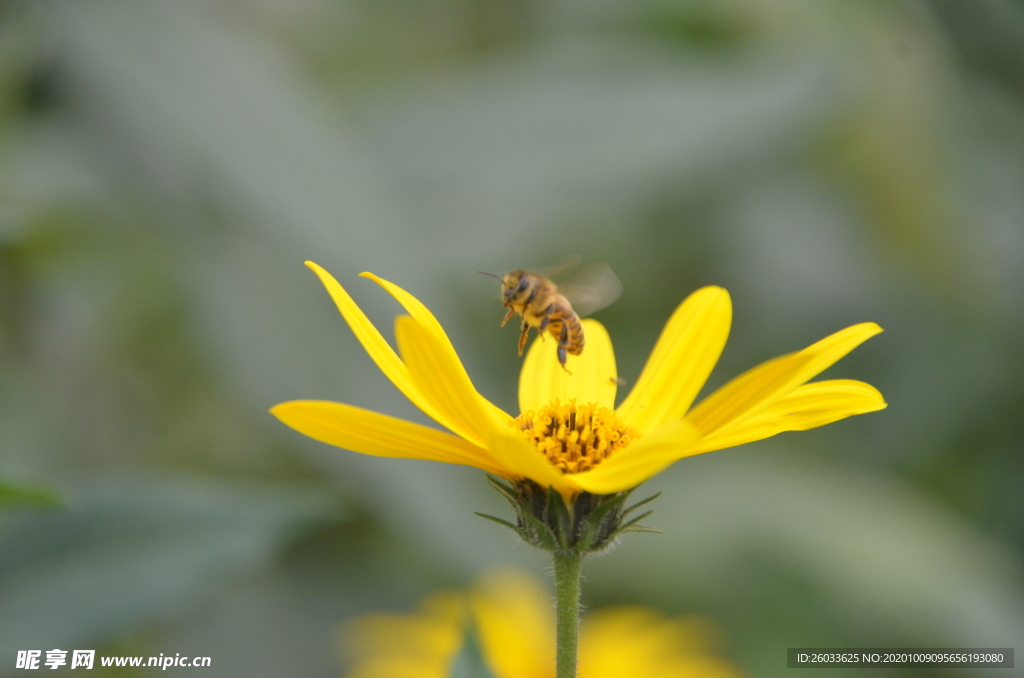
<point x="509" y="617"/>
<point x="569" y="435"/>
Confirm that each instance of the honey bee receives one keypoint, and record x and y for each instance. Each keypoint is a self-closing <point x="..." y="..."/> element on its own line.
<point x="550" y="307"/>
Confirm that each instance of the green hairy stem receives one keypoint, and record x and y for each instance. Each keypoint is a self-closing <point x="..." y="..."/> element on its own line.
<point x="567" y="606"/>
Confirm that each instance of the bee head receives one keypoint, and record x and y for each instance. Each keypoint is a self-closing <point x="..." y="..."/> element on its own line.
<point x="513" y="285"/>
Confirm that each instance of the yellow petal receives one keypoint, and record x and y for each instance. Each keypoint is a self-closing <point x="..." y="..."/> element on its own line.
<point x="826" y="352"/>
<point x="442" y="381"/>
<point x="410" y="635"/>
<point x="514" y="626"/>
<point x="808" y="406"/>
<point x="636" y="641"/>
<point x="421" y="645"/>
<point x="520" y="459"/>
<point x="415" y="308"/>
<point x="402" y="667"/>
<point x="422" y="314"/>
<point x="684" y="356"/>
<point x="646" y="631"/>
<point x="757" y="389"/>
<point x="592" y="378"/>
<point x="366" y="432"/>
<point x="378" y="348"/>
<point x="641" y="460"/>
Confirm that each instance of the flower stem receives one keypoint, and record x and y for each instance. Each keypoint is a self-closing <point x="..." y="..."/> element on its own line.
<point x="567" y="597"/>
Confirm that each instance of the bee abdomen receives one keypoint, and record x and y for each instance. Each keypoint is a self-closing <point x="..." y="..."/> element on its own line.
<point x="573" y="341"/>
<point x="575" y="335"/>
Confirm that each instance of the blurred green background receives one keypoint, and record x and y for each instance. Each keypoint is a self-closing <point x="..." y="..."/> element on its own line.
<point x="165" y="168"/>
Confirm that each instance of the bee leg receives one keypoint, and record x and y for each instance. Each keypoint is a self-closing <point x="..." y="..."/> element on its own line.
<point x="563" y="344"/>
<point x="522" y="337"/>
<point x="508" y="316"/>
<point x="533" y="293"/>
<point x="545" y="321"/>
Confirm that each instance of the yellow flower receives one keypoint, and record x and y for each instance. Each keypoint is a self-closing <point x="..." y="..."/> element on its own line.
<point x="509" y="617"/>
<point x="569" y="435"/>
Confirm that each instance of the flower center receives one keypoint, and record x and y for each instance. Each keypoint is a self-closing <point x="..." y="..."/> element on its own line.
<point x="575" y="438"/>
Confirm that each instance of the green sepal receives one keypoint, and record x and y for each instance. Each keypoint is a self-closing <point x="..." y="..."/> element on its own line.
<point x="500" y="521"/>
<point x="640" y="528"/>
<point x="633" y="526"/>
<point x="588" y="540"/>
<point x="640" y="503"/>
<point x="587" y="524"/>
<point x="504" y="490"/>
<point x="560" y="519"/>
<point x="636" y="520"/>
<point x="542" y="536"/>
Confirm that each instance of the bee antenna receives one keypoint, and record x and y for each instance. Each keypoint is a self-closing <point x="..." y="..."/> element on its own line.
<point x="490" y="274"/>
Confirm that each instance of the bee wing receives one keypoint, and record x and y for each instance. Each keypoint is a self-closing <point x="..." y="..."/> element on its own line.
<point x="592" y="288"/>
<point x="559" y="270"/>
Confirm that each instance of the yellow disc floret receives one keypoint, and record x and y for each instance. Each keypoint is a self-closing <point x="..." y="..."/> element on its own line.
<point x="575" y="438"/>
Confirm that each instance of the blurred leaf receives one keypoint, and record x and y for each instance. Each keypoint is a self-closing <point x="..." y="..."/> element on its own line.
<point x="989" y="35"/>
<point x="24" y="496"/>
<point x="134" y="552"/>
